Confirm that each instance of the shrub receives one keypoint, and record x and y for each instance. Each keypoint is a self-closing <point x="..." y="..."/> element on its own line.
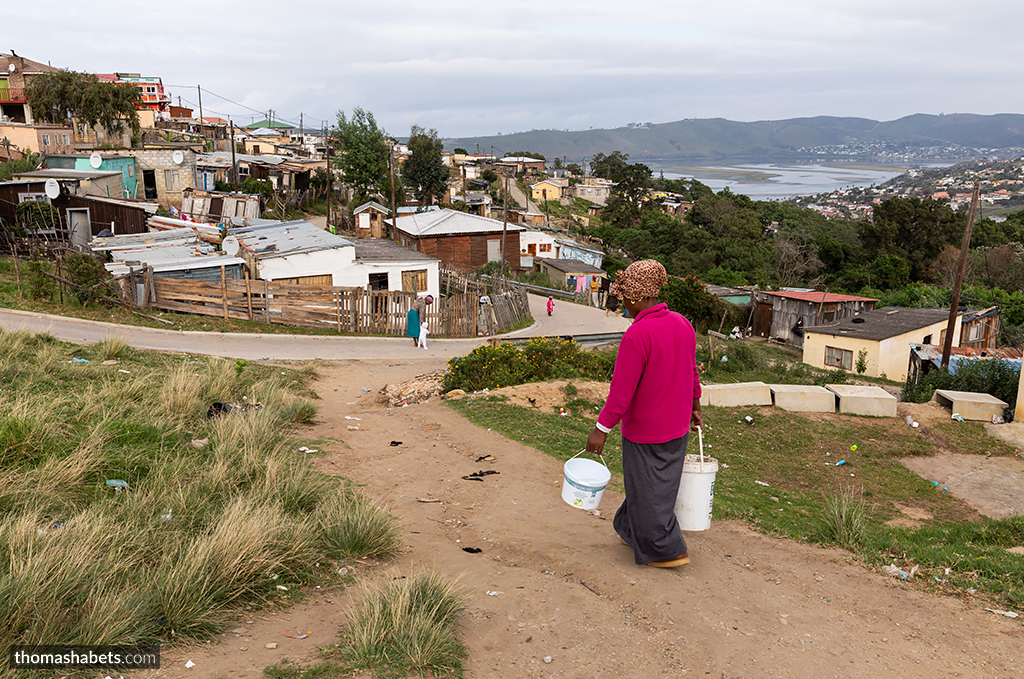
<point x="996" y="377"/>
<point x="493" y="367"/>
<point x="84" y="271"/>
<point x="843" y="523"/>
<point x="689" y="297"/>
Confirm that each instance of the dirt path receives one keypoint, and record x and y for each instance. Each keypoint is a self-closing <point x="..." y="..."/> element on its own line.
<point x="554" y="581"/>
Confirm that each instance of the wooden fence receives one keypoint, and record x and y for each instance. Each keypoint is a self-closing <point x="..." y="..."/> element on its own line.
<point x="342" y="309"/>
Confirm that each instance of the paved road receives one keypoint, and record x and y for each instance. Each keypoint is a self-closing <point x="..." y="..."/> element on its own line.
<point x="567" y="319"/>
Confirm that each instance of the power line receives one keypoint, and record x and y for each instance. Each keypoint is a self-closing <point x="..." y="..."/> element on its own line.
<point x="248" y="108"/>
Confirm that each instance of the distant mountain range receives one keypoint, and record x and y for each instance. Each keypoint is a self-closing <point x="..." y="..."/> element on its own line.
<point x="921" y="136"/>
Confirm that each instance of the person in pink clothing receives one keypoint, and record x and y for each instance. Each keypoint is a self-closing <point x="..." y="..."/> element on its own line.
<point x="655" y="396"/>
<point x="551" y="304"/>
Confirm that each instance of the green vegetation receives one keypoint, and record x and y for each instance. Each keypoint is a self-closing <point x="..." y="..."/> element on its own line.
<point x="363" y="151"/>
<point x="492" y="367"/>
<point x="112" y="106"/>
<point x="808" y="497"/>
<point x="409" y="626"/>
<point x="130" y="517"/>
<point x="996" y="377"/>
<point x="424" y="170"/>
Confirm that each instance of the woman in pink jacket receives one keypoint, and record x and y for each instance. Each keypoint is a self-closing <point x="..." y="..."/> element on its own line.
<point x="655" y="395"/>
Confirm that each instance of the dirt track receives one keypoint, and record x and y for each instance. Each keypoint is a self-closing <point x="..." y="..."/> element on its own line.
<point x="747" y="606"/>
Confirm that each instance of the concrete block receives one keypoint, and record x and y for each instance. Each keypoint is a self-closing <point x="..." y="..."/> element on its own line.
<point x="970" y="405"/>
<point x="862" y="400"/>
<point x="732" y="395"/>
<point x="803" y="398"/>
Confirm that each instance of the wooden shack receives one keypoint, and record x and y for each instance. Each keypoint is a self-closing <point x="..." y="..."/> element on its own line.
<point x="783" y="315"/>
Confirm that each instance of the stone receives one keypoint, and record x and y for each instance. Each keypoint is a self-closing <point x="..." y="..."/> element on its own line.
<point x="732" y="395"/>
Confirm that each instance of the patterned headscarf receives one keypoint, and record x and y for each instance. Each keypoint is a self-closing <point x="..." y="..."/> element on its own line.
<point x="639" y="280"/>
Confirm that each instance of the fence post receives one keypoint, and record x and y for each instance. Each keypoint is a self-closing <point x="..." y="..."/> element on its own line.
<point x="224" y="291"/>
<point x="248" y="293"/>
<point x="266" y="301"/>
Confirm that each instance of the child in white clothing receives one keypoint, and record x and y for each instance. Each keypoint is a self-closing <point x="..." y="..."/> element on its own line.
<point x="423" y="335"/>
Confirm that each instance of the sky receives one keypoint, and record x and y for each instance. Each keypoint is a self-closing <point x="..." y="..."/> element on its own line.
<point x="479" y="67"/>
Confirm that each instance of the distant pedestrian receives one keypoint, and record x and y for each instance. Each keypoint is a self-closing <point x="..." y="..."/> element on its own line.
<point x="595" y="288"/>
<point x="417" y="314"/>
<point x="551" y="304"/>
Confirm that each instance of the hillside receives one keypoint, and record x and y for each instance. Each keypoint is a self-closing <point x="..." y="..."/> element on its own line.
<point x="931" y="136"/>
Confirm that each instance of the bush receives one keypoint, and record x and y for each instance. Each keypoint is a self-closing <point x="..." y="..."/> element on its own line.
<point x="84" y="271"/>
<point x="689" y="297"/>
<point x="996" y="377"/>
<point x="493" y="367"/>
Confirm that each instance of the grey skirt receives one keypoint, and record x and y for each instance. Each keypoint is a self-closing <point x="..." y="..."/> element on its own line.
<point x="647" y="520"/>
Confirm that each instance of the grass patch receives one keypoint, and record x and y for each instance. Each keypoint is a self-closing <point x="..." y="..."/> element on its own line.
<point x="202" y="516"/>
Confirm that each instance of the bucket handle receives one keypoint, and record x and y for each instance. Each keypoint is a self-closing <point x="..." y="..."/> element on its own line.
<point x="585" y="450"/>
<point x="700" y="441"/>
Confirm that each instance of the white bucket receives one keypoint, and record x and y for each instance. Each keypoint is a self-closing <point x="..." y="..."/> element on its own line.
<point x="584" y="481"/>
<point x="696" y="490"/>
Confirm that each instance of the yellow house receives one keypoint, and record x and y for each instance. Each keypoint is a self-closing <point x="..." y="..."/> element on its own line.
<point x="884" y="335"/>
<point x="549" y="189"/>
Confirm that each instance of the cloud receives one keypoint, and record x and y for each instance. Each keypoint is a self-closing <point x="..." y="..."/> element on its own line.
<point x="470" y="68"/>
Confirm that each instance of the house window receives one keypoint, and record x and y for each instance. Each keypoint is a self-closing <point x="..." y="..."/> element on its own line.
<point x="927" y="339"/>
<point x="414" y="281"/>
<point x="171" y="180"/>
<point x="46" y="140"/>
<point x="838" y="358"/>
<point x="975" y="333"/>
<point x="545" y="247"/>
<point x="67" y="140"/>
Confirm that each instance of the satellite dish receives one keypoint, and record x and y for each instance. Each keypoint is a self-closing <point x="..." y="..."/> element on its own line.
<point x="95" y="160"/>
<point x="231" y="246"/>
<point x="178" y="157"/>
<point x="52" y="188"/>
<point x="12" y="68"/>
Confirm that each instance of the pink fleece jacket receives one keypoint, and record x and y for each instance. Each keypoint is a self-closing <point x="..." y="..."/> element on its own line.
<point x="655" y="379"/>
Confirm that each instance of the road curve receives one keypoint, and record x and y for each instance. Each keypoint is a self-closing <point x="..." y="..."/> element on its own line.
<point x="568" y="319"/>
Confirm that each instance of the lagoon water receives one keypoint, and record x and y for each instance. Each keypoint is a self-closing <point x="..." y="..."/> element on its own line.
<point x="777" y="181"/>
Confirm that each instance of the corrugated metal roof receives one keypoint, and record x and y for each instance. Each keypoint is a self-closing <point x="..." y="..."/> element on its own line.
<point x="56" y="173"/>
<point x="287" y="238"/>
<point x="816" y="297"/>
<point x="448" y="221"/>
<point x="384" y="250"/>
<point x="572" y="266"/>
<point x="882" y="323"/>
<point x="960" y="355"/>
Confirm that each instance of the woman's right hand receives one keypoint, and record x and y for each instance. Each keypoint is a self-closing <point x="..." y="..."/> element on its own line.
<point x="595" y="442"/>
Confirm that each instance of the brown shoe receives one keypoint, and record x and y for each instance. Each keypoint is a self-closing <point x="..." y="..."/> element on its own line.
<point x="680" y="560"/>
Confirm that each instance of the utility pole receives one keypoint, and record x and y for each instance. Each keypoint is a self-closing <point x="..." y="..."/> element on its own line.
<point x="234" y="162"/>
<point x="200" y="90"/>
<point x="391" y="171"/>
<point x="328" y="152"/>
<point x="504" y="228"/>
<point x="947" y="346"/>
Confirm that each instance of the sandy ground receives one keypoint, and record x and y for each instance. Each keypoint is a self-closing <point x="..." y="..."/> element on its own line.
<point x="554" y="582"/>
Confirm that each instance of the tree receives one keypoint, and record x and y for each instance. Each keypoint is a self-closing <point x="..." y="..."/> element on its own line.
<point x="527" y="154"/>
<point x="609" y="167"/>
<point x="424" y="169"/>
<point x="574" y="169"/>
<point x="557" y="164"/>
<point x="629" y="198"/>
<point x="913" y="229"/>
<point x="55" y="97"/>
<point x="461" y="150"/>
<point x="363" y="150"/>
<point x="796" y="256"/>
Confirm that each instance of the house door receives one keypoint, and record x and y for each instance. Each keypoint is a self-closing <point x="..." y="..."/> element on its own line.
<point x="531" y="249"/>
<point x="763" y="319"/>
<point x="493" y="250"/>
<point x="216" y="207"/>
<point x="149" y="183"/>
<point x="79" y="227"/>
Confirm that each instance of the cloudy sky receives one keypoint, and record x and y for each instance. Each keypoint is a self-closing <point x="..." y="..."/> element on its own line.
<point x="483" y="67"/>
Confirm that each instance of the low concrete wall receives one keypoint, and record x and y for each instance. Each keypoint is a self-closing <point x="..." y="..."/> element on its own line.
<point x="801" y="398"/>
<point x="732" y="395"/>
<point x="970" y="405"/>
<point x="861" y="400"/>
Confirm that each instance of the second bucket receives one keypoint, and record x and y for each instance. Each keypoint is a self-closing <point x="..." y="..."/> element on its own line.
<point x="696" y="490"/>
